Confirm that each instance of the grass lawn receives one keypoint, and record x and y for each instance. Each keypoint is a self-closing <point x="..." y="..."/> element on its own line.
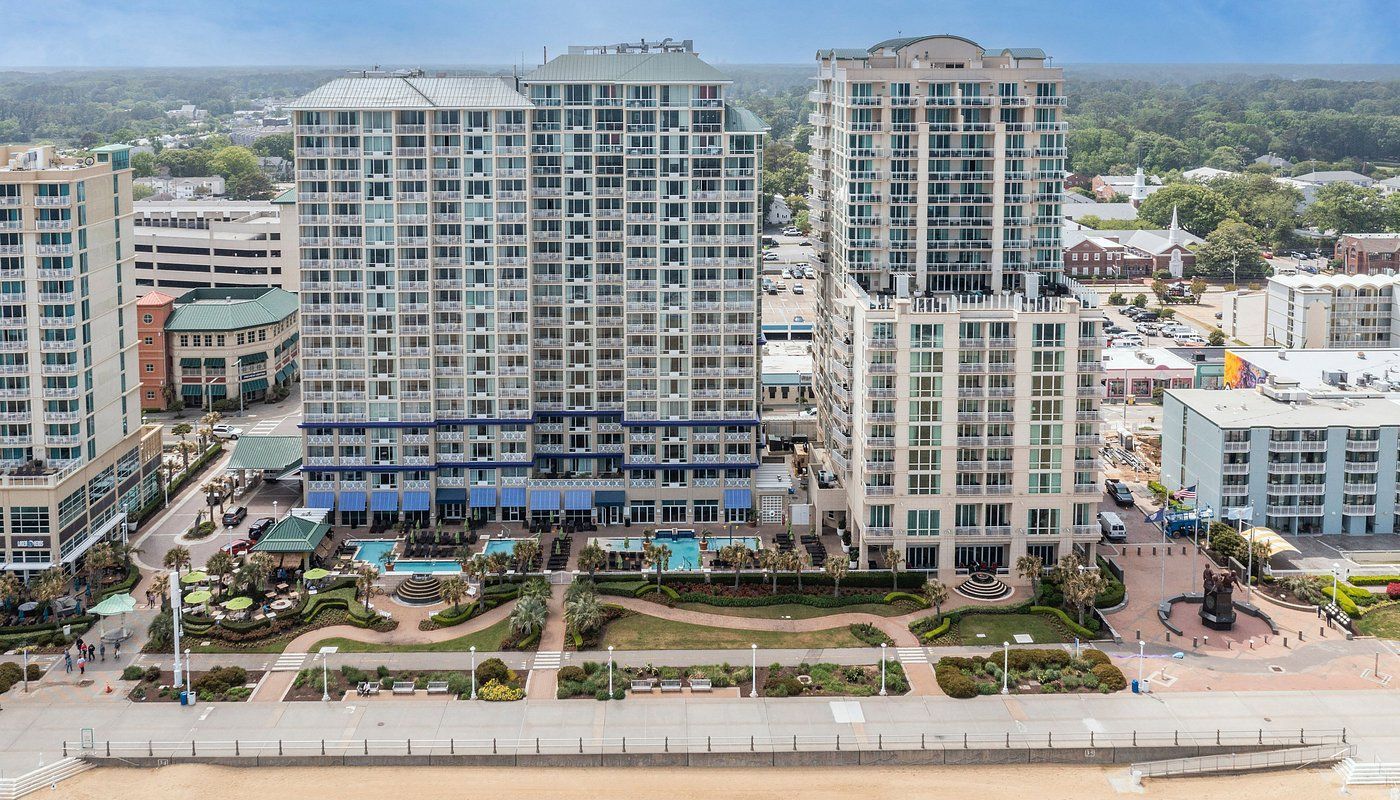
<point x="1383" y="622"/>
<point x="642" y="632"/>
<point x="793" y="610"/>
<point x="487" y="640"/>
<point x="1001" y="628"/>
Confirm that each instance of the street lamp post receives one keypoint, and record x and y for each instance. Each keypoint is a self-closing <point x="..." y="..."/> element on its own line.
<point x="24" y="656"/>
<point x="883" y="645"/>
<point x="610" y="670"/>
<point x="1005" y="666"/>
<point x="1142" y="647"/>
<point x="1336" y="571"/>
<point x="473" y="648"/>
<point x="274" y="510"/>
<point x="753" y="671"/>
<point x="325" y="677"/>
<point x="187" y="672"/>
<point x="126" y="522"/>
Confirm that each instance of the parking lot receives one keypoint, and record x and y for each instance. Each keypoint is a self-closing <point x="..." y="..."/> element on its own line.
<point x="793" y="299"/>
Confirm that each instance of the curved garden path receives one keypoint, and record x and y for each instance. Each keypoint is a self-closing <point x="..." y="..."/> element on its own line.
<point x="407" y="632"/>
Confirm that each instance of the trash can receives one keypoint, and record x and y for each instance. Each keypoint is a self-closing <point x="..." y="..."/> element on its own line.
<point x="185" y="696"/>
<point x="1135" y="689"/>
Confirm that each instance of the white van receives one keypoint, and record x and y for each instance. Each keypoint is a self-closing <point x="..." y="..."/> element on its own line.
<point x="1112" y="526"/>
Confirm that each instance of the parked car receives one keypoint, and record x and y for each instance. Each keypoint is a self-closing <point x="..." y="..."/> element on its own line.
<point x="262" y="526"/>
<point x="798" y="289"/>
<point x="787" y="274"/>
<point x="809" y="272"/>
<point x="791" y="231"/>
<point x="237" y="548"/>
<point x="770" y="256"/>
<point x="235" y="516"/>
<point x="226" y="431"/>
<point x="1118" y="491"/>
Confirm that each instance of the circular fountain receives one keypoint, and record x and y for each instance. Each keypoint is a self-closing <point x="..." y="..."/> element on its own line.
<point x="984" y="586"/>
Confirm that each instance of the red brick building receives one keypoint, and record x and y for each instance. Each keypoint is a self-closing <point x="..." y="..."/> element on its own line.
<point x="1368" y="253"/>
<point x="152" y="311"/>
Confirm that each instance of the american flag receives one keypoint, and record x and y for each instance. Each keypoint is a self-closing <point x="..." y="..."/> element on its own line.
<point x="1189" y="493"/>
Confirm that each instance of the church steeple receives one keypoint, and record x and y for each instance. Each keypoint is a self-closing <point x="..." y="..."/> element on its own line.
<point x="1139" y="187"/>
<point x="1174" y="232"/>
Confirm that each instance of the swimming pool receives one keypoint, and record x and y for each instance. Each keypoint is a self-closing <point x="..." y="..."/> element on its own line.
<point x="374" y="551"/>
<point x="428" y="567"/>
<point x="506" y="546"/>
<point x="684" y="546"/>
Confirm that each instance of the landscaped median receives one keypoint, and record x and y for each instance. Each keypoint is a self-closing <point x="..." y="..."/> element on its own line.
<point x="1029" y="671"/>
<point x="495" y="682"/>
<point x="998" y="624"/>
<point x="590" y="680"/>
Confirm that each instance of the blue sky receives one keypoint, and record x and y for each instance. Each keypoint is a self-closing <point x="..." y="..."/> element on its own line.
<point x="74" y="33"/>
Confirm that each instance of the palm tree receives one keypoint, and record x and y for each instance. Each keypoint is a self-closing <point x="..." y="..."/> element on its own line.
<point x="528" y="616"/>
<point x="770" y="561"/>
<point x="52" y="585"/>
<point x="98" y="558"/>
<point x="937" y="593"/>
<point x="177" y="557"/>
<point x="1028" y="568"/>
<point x="464" y="556"/>
<point x="535" y="587"/>
<point x="798" y="560"/>
<point x="182" y="430"/>
<point x="214" y="491"/>
<point x="737" y="555"/>
<point x="206" y="430"/>
<point x="219" y="565"/>
<point x="365" y="583"/>
<point x="454" y="591"/>
<point x="583" y="613"/>
<point x="477" y="567"/>
<point x="499" y="563"/>
<point x="836" y="569"/>
<point x="592" y="558"/>
<point x="260" y="565"/>
<point x="160" y="587"/>
<point x="659" y="556"/>
<point x="11" y="589"/>
<point x="894" y="558"/>
<point x="525" y="553"/>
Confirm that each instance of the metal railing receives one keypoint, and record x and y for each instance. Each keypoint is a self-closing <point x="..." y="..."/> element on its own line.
<point x="223" y="748"/>
<point x="1240" y="762"/>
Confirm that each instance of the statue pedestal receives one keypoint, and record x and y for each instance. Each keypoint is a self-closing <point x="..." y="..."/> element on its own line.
<point x="1218" y="610"/>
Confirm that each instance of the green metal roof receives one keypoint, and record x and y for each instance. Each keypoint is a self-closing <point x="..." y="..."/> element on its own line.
<point x="292" y="535"/>
<point x="231" y="308"/>
<point x="905" y="41"/>
<point x="1023" y="52"/>
<point x="738" y="119"/>
<point x="277" y="453"/>
<point x="289" y="196"/>
<point x="626" y="68"/>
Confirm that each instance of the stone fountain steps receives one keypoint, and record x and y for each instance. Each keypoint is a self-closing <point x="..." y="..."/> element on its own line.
<point x="419" y="590"/>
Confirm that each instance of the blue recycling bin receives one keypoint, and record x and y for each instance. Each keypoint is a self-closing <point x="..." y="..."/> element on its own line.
<point x="185" y="696"/>
<point x="1135" y="687"/>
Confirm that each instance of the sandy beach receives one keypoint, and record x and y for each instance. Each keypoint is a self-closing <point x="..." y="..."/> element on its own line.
<point x="505" y="783"/>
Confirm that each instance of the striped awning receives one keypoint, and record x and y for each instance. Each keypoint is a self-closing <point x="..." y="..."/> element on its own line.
<point x="255" y="385"/>
<point x="384" y="500"/>
<point x="191" y="363"/>
<point x="544" y="500"/>
<point x="191" y="390"/>
<point x="352" y="501"/>
<point x="252" y="358"/>
<point x="578" y="500"/>
<point x="513" y="497"/>
<point x="738" y="498"/>
<point x="320" y="499"/>
<point x="483" y="497"/>
<point x="214" y="362"/>
<point x="417" y="501"/>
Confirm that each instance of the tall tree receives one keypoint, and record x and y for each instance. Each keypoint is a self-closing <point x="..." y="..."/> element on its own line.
<point x="1199" y="208"/>
<point x="1346" y="208"/>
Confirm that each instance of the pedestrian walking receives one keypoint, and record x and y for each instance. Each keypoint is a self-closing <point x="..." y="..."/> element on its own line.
<point x="102" y="650"/>
<point x="116" y="650"/>
<point x="82" y="665"/>
<point x="92" y="652"/>
<point x="67" y="661"/>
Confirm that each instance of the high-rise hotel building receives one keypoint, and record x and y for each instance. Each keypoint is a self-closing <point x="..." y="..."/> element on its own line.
<point x="957" y="369"/>
<point x="74" y="457"/>
<point x="531" y="298"/>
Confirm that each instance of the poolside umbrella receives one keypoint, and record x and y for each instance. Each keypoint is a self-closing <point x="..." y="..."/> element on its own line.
<point x="237" y="603"/>
<point x="194" y="577"/>
<point x="116" y="604"/>
<point x="315" y="574"/>
<point x="198" y="598"/>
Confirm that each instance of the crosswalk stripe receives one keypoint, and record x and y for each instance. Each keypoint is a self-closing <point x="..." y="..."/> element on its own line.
<point x="289" y="662"/>
<point x="548" y="660"/>
<point x="912" y="655"/>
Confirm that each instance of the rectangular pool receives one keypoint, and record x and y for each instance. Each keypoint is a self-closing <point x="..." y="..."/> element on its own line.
<point x="374" y="551"/>
<point x="428" y="567"/>
<point x="506" y="546"/>
<point x="684" y="546"/>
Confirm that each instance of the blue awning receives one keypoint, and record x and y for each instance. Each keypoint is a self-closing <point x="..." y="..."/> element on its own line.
<point x="610" y="497"/>
<point x="416" y="501"/>
<point x="320" y="499"/>
<point x="352" y="501"/>
<point x="738" y="498"/>
<point x="544" y="500"/>
<point x="483" y="497"/>
<point x="513" y="498"/>
<point x="451" y="495"/>
<point x="578" y="500"/>
<point x="384" y="500"/>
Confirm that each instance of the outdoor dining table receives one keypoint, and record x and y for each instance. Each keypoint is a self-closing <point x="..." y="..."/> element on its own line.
<point x="281" y="605"/>
<point x="281" y="587"/>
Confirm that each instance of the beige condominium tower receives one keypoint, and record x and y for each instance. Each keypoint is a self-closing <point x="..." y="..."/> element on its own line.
<point x="531" y="298"/>
<point x="957" y="369"/>
<point x="74" y="458"/>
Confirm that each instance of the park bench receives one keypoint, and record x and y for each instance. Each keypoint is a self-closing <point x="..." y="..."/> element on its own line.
<point x="643" y="685"/>
<point x="437" y="687"/>
<point x="670" y="685"/>
<point x="700" y="684"/>
<point x="367" y="688"/>
<point x="403" y="687"/>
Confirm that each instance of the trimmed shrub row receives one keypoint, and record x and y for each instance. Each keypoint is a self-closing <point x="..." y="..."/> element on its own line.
<point x="813" y="600"/>
<point x="916" y="599"/>
<point x="648" y="588"/>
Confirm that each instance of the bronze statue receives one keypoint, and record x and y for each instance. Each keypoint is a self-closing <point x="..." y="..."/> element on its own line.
<point x="1217" y="601"/>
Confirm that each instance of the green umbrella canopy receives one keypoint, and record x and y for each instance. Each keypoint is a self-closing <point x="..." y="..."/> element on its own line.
<point x="237" y="603"/>
<point x="116" y="604"/>
<point x="194" y="577"/>
<point x="196" y="598"/>
<point x="315" y="574"/>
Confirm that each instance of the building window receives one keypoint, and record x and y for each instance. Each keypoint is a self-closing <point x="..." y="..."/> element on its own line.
<point x="147" y="318"/>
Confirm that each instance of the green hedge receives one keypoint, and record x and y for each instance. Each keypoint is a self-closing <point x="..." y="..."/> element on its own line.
<point x="1074" y="627"/>
<point x="1373" y="580"/>
<point x="1344" y="602"/>
<point x="648" y="588"/>
<point x="931" y="627"/>
<point x="620" y="588"/>
<point x="918" y="600"/>
<point x="448" y="617"/>
<point x="813" y="600"/>
<point x="133" y="577"/>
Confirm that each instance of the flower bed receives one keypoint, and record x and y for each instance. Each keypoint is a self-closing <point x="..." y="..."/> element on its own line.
<point x="1030" y="671"/>
<point x="217" y="685"/>
<point x="832" y="680"/>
